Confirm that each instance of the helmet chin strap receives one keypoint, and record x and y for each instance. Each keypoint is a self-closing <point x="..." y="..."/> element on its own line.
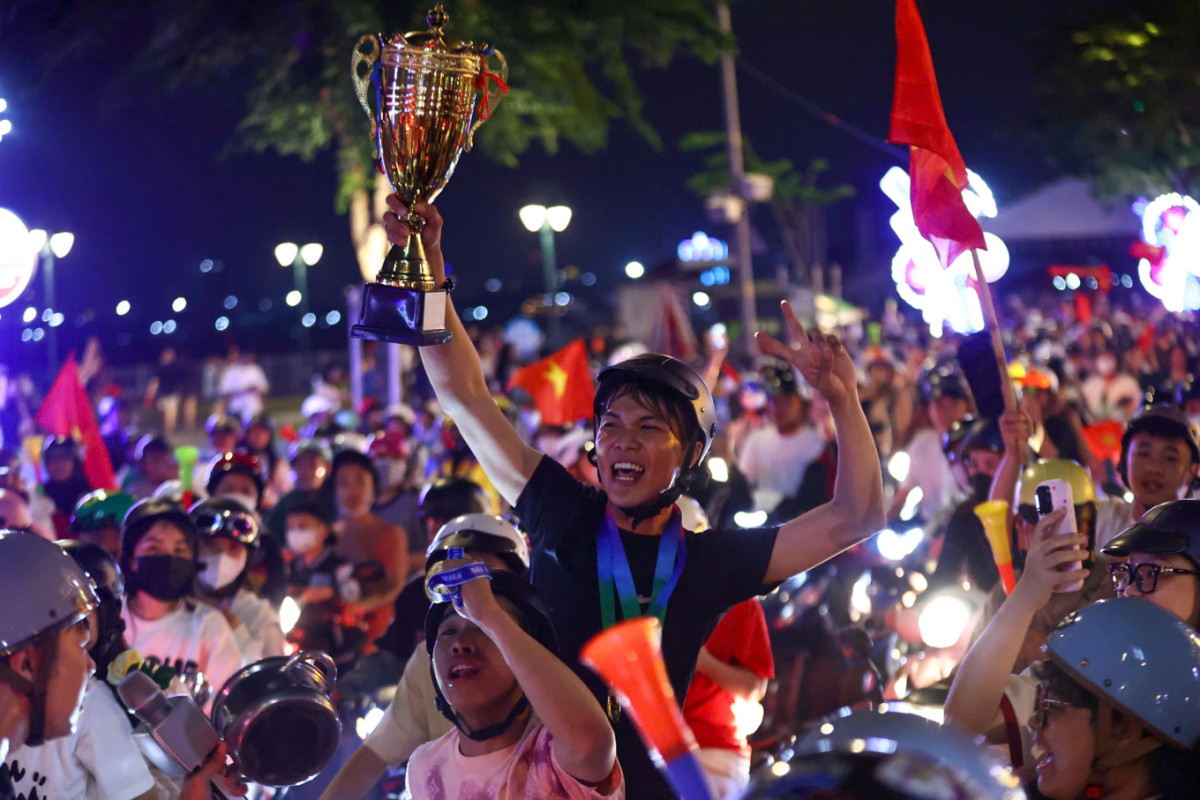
<point x="1110" y="753"/>
<point x="651" y="508"/>
<point x="483" y="734"/>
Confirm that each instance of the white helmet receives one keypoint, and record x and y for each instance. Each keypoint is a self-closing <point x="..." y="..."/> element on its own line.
<point x="1140" y="658"/>
<point x="485" y="532"/>
<point x="44" y="588"/>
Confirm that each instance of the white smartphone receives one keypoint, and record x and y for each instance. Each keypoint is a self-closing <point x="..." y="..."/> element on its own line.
<point x="1053" y="494"/>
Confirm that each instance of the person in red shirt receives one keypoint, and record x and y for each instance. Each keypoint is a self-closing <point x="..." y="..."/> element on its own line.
<point x="734" y="666"/>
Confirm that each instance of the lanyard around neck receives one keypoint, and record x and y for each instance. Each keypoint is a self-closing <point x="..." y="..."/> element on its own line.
<point x="616" y="577"/>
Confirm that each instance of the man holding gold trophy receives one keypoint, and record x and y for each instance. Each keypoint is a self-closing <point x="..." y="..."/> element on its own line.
<point x="419" y="91"/>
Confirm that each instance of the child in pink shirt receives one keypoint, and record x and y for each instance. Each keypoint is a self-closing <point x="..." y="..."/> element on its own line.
<point x="525" y="725"/>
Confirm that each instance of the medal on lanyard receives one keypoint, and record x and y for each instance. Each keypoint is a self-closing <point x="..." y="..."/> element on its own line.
<point x="615" y="577"/>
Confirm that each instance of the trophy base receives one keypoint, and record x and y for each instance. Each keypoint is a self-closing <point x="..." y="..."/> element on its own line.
<point x="402" y="316"/>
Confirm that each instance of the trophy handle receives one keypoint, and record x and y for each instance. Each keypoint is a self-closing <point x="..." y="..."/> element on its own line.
<point x="490" y="99"/>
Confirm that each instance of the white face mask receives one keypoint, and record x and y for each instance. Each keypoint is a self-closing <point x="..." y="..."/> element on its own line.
<point x="221" y="569"/>
<point x="301" y="540"/>
<point x="1106" y="365"/>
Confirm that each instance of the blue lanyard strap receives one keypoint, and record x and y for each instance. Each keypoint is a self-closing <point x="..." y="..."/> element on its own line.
<point x="442" y="586"/>
<point x="614" y="575"/>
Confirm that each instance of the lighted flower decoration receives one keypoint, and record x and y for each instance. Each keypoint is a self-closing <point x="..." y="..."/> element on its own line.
<point x="1169" y="253"/>
<point x="944" y="297"/>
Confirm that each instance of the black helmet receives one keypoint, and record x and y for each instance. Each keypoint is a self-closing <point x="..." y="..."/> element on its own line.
<point x="780" y="379"/>
<point x="145" y="513"/>
<point x="101" y="567"/>
<point x="945" y="381"/>
<point x="225" y="517"/>
<point x="219" y="423"/>
<point x="61" y="445"/>
<point x="447" y="498"/>
<point x="952" y="441"/>
<point x="984" y="434"/>
<point x="1162" y="419"/>
<point x="1171" y="528"/>
<point x="673" y="375"/>
<point x="1188" y="389"/>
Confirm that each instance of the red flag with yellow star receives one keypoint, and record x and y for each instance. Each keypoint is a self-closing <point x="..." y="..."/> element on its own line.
<point x="560" y="384"/>
<point x="935" y="167"/>
<point x="66" y="411"/>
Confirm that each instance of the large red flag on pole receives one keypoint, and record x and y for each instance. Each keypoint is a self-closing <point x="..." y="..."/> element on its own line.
<point x="560" y="385"/>
<point x="67" y="412"/>
<point x="936" y="169"/>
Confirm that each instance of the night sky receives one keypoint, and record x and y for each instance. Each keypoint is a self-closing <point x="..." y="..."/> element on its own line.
<point x="148" y="196"/>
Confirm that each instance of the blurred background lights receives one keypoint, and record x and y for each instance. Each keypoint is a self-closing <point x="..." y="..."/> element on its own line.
<point x="293" y="298"/>
<point x="179" y="304"/>
<point x="308" y="320"/>
<point x="122" y="308"/>
<point x="635" y="270"/>
<point x="222" y="323"/>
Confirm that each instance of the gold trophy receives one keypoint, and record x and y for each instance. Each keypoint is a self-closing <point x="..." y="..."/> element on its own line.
<point x="419" y="90"/>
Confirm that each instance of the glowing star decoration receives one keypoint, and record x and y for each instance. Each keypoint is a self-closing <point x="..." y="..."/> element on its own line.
<point x="944" y="297"/>
<point x="1170" y="263"/>
<point x="18" y="257"/>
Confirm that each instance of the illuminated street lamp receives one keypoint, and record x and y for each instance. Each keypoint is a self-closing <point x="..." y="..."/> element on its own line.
<point x="51" y="246"/>
<point x="289" y="254"/>
<point x="547" y="222"/>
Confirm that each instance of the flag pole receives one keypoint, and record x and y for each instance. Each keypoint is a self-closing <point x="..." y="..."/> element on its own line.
<point x="993" y="323"/>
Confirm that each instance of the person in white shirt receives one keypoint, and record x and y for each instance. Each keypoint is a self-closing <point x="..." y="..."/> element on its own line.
<point x="948" y="399"/>
<point x="228" y="530"/>
<point x="775" y="456"/>
<point x="162" y="623"/>
<point x="242" y="386"/>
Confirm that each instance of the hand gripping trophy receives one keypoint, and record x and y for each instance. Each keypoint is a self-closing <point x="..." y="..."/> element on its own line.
<point x="419" y="91"/>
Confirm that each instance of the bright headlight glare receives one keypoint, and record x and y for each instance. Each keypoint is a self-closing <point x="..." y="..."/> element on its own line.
<point x="943" y="621"/>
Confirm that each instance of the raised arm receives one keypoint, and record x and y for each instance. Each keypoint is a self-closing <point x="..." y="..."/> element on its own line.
<point x="1015" y="429"/>
<point x="856" y="510"/>
<point x="974" y="699"/>
<point x="584" y="743"/>
<point x="456" y="373"/>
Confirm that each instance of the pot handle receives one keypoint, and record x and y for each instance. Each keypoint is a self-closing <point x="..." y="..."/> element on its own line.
<point x="312" y="667"/>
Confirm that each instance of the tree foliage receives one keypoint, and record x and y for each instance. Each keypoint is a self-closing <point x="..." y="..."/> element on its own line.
<point x="573" y="66"/>
<point x="796" y="204"/>
<point x="1120" y="98"/>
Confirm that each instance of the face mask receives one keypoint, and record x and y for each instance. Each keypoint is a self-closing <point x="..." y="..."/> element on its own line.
<point x="1106" y="365"/>
<point x="301" y="540"/>
<point x="251" y="503"/>
<point x="980" y="485"/>
<point x="222" y="569"/>
<point x="163" y="577"/>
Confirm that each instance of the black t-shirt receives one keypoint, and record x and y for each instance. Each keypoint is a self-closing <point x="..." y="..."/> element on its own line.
<point x="561" y="516"/>
<point x="7" y="790"/>
<point x="966" y="545"/>
<point x="408" y="622"/>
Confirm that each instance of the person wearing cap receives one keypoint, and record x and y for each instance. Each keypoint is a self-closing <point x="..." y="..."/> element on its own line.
<point x="947" y="400"/>
<point x="1116" y="709"/>
<point x="65" y="482"/>
<point x="310" y="462"/>
<point x="965" y="551"/>
<point x="1158" y="559"/>
<point x="413" y="716"/>
<point x="776" y="456"/>
<point x="163" y="621"/>
<point x="595" y="551"/>
<point x="1160" y="458"/>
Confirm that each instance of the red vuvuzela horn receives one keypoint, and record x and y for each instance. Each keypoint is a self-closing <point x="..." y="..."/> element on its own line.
<point x="628" y="656"/>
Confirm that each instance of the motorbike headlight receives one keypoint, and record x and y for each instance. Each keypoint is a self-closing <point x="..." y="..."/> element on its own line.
<point x="718" y="469"/>
<point x="365" y="724"/>
<point x="750" y="519"/>
<point x="898" y="546"/>
<point x="898" y="465"/>
<point x="860" y="597"/>
<point x="289" y="614"/>
<point x="943" y="620"/>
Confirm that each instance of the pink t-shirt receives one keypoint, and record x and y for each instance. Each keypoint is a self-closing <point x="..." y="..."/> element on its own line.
<point x="527" y="769"/>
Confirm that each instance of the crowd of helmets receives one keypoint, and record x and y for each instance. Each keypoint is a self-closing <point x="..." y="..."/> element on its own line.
<point x="1095" y="687"/>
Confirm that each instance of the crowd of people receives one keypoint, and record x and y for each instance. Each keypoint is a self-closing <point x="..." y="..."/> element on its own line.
<point x="454" y="555"/>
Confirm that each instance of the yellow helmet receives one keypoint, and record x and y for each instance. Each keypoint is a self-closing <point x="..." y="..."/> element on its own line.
<point x="1082" y="488"/>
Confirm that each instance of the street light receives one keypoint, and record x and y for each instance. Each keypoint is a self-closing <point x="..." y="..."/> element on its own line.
<point x="51" y="246"/>
<point x="290" y="254"/>
<point x="547" y="222"/>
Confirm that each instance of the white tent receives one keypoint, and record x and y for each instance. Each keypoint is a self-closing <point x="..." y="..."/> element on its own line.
<point x="1063" y="210"/>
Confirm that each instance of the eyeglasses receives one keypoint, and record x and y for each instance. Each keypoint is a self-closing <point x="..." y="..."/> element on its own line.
<point x="1042" y="703"/>
<point x="1144" y="575"/>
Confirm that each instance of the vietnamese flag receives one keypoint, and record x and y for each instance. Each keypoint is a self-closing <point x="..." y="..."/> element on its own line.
<point x="935" y="167"/>
<point x="560" y="384"/>
<point x="66" y="411"/>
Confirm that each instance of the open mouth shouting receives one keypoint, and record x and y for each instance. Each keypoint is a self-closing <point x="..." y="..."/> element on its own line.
<point x="462" y="670"/>
<point x="627" y="472"/>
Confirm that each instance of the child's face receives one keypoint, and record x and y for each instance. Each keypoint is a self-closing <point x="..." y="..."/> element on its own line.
<point x="354" y="488"/>
<point x="638" y="454"/>
<point x="471" y="671"/>
<point x="1158" y="467"/>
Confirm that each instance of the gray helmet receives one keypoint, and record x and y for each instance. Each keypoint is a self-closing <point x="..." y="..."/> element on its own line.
<point x="1140" y="658"/>
<point x="45" y="590"/>
<point x="671" y="374"/>
<point x="1171" y="528"/>
<point x="874" y="736"/>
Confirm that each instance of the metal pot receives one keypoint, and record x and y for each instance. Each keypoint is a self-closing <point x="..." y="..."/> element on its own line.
<point x="277" y="718"/>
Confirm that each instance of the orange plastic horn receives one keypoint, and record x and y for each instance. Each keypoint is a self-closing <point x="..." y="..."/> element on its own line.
<point x="628" y="656"/>
<point x="994" y="516"/>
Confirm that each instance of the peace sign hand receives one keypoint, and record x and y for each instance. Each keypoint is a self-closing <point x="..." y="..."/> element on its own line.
<point x="821" y="360"/>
